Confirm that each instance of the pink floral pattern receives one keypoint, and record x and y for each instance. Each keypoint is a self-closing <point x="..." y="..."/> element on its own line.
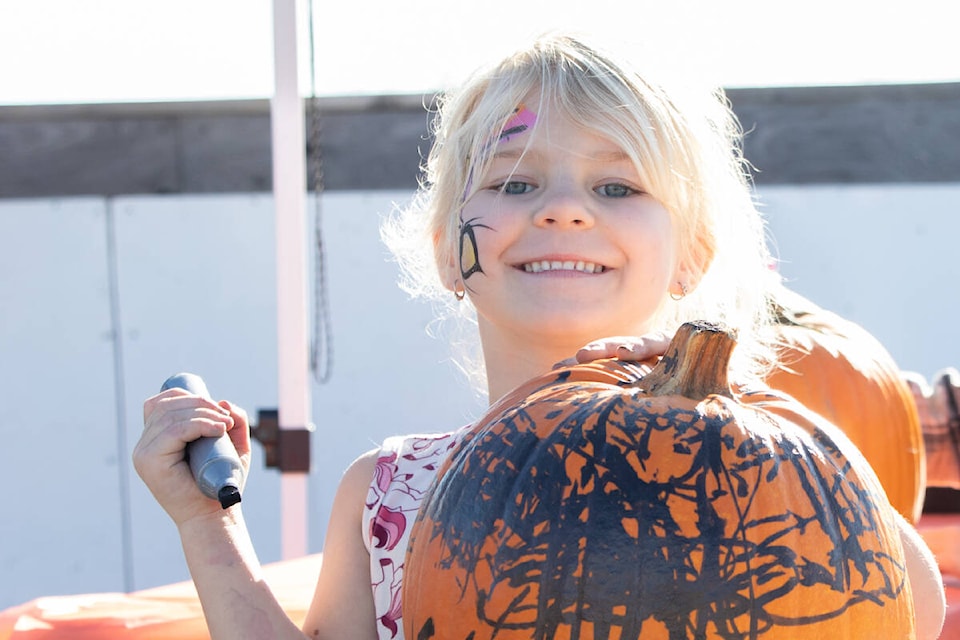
<point x="405" y="468"/>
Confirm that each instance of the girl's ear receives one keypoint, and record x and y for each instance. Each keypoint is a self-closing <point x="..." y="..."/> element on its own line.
<point x="691" y="269"/>
<point x="447" y="263"/>
<point x="684" y="282"/>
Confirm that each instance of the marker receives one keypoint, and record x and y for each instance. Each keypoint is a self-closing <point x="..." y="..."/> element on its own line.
<point x="214" y="461"/>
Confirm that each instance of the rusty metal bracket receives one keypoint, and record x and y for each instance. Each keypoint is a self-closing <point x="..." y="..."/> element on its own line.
<point x="285" y="449"/>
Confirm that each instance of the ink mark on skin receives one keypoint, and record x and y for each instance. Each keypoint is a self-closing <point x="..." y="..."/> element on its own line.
<point x="469" y="257"/>
<point x="522" y="120"/>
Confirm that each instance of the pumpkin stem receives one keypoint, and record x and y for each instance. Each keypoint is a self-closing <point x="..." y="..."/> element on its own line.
<point x="695" y="364"/>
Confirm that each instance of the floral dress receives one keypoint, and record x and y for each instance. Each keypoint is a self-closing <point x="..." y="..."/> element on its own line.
<point x="405" y="468"/>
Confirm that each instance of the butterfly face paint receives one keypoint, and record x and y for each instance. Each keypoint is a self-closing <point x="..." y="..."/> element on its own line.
<point x="469" y="256"/>
<point x="520" y="121"/>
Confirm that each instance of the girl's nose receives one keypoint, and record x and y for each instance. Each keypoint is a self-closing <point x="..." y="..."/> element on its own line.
<point x="564" y="209"/>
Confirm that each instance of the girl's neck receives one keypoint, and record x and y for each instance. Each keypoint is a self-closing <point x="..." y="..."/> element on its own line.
<point x="512" y="360"/>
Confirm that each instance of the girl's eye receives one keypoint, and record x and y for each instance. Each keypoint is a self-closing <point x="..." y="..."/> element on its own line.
<point x="615" y="190"/>
<point x="516" y="187"/>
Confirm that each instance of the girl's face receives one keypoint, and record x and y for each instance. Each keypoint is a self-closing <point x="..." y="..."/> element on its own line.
<point x="560" y="242"/>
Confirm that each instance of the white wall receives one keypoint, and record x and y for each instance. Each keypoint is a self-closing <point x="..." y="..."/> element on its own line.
<point x="884" y="256"/>
<point x="188" y="284"/>
<point x="61" y="512"/>
<point x="101" y="300"/>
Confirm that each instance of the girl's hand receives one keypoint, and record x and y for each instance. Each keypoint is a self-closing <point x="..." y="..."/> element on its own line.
<point x="171" y="420"/>
<point x="626" y="348"/>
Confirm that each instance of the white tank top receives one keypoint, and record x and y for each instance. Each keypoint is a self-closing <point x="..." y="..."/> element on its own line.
<point x="405" y="468"/>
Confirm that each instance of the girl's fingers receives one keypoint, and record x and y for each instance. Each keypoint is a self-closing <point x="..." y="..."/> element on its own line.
<point x="168" y="403"/>
<point x="174" y="418"/>
<point x="188" y="424"/>
<point x="626" y="348"/>
<point x="239" y="428"/>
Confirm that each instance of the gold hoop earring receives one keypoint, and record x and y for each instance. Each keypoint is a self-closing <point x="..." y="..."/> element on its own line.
<point x="458" y="291"/>
<point x="683" y="293"/>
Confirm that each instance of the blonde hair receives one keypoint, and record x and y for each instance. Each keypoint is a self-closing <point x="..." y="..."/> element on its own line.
<point x="686" y="147"/>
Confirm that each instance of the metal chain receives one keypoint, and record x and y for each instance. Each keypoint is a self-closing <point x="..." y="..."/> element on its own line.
<point x="321" y="348"/>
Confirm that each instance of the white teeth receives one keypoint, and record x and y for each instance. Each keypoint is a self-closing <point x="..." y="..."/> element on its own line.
<point x="562" y="265"/>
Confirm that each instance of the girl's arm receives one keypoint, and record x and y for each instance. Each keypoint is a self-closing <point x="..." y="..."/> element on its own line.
<point x="237" y="602"/>
<point x="342" y="604"/>
<point x="929" y="597"/>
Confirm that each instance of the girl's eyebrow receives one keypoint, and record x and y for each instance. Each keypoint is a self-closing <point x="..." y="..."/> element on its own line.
<point x="611" y="156"/>
<point x="514" y="154"/>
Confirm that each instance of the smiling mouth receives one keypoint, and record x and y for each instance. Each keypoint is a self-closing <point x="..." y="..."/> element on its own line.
<point x="563" y="265"/>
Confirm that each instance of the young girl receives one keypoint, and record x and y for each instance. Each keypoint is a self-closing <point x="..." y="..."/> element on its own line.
<point x="567" y="201"/>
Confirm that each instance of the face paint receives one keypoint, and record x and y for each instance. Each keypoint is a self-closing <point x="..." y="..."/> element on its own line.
<point x="522" y="119"/>
<point x="469" y="256"/>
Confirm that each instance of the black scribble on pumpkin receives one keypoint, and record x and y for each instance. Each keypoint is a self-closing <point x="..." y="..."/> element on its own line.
<point x="605" y="546"/>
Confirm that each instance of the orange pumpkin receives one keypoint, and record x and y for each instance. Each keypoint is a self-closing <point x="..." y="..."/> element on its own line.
<point x="842" y="372"/>
<point x="599" y="502"/>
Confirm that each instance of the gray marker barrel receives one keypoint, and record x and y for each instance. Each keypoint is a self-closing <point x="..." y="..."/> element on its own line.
<point x="214" y="461"/>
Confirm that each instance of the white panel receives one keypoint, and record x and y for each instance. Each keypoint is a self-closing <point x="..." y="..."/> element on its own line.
<point x="60" y="530"/>
<point x="197" y="294"/>
<point x="884" y="256"/>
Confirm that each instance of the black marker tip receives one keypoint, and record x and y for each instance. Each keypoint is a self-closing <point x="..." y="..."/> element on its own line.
<point x="228" y="496"/>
